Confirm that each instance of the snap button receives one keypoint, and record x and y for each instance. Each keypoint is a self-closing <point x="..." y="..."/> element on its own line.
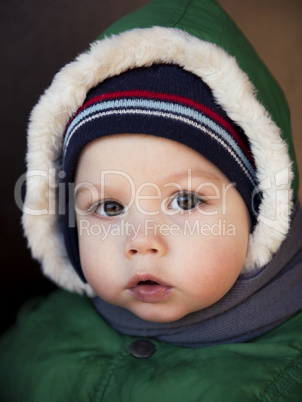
<point x="141" y="349"/>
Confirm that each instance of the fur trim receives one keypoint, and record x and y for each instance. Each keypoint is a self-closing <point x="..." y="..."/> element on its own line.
<point x="111" y="56"/>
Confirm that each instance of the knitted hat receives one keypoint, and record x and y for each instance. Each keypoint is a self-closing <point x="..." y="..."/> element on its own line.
<point x="165" y="101"/>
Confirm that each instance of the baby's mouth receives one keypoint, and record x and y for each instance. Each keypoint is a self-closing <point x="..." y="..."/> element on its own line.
<point x="148" y="290"/>
<point x="148" y="282"/>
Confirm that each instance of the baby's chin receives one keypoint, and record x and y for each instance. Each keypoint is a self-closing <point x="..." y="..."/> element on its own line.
<point x="160" y="313"/>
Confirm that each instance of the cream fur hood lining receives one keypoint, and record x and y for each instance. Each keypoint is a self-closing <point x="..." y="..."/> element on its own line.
<point x="111" y="56"/>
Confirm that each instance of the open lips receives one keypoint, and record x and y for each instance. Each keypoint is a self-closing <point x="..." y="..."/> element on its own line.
<point x="149" y="290"/>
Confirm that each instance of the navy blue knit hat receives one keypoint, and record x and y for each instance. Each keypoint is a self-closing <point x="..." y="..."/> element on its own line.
<point x="164" y="101"/>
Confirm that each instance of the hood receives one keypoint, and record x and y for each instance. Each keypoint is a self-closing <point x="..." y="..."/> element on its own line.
<point x="200" y="37"/>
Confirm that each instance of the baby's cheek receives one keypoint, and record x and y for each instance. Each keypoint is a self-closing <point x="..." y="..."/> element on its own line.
<point x="97" y="278"/>
<point x="227" y="262"/>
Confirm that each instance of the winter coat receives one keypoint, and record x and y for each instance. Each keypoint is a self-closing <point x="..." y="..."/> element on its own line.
<point x="61" y="349"/>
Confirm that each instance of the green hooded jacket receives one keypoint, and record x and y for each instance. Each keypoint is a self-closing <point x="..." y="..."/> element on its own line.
<point x="63" y="351"/>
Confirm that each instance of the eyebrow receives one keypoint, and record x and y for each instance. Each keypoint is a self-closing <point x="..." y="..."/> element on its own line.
<point x="178" y="176"/>
<point x="195" y="173"/>
<point x="84" y="189"/>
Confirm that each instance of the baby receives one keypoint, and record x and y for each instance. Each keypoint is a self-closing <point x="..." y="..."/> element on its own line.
<point x="158" y="270"/>
<point x="174" y="210"/>
<point x="172" y="260"/>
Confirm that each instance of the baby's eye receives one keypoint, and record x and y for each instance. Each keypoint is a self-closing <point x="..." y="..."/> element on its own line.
<point x="185" y="201"/>
<point x="109" y="208"/>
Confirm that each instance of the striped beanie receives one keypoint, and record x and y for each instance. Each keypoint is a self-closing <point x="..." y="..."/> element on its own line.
<point x="165" y="101"/>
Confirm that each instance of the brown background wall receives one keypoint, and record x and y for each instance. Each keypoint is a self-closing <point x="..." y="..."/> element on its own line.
<point x="38" y="37"/>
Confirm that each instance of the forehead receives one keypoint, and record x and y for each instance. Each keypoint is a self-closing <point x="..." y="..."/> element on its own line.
<point x="146" y="157"/>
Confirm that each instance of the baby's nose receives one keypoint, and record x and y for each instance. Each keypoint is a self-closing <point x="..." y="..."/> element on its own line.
<point x="146" y="240"/>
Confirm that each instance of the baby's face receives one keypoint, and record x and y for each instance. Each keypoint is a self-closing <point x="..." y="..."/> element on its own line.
<point x="162" y="231"/>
